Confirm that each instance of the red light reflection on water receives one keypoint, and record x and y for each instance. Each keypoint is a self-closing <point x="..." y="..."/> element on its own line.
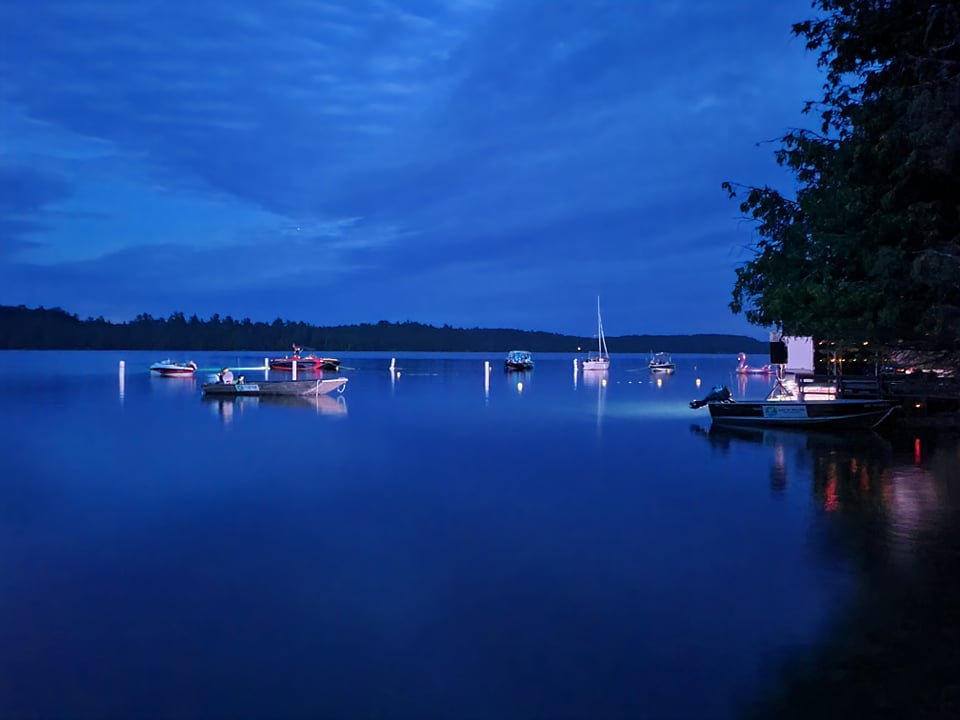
<point x="831" y="499"/>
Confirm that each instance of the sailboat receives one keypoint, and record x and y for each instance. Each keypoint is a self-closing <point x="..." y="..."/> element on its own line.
<point x="601" y="360"/>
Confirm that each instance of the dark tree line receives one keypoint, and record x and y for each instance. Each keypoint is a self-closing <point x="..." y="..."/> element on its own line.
<point x="25" y="328"/>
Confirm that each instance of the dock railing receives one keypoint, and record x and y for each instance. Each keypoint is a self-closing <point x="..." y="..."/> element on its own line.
<point x="838" y="386"/>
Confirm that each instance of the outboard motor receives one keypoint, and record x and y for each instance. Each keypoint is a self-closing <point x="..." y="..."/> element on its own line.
<point x="720" y="393"/>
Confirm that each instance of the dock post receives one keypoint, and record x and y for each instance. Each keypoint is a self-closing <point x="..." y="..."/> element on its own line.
<point x="293" y="368"/>
<point x="393" y="364"/>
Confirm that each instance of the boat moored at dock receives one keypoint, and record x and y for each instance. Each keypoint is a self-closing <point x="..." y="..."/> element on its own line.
<point x="824" y="404"/>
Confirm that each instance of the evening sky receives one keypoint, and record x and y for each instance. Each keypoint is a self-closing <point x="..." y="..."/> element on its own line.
<point x="478" y="163"/>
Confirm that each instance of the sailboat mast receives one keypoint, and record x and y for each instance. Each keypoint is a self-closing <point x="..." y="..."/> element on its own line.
<point x="601" y="341"/>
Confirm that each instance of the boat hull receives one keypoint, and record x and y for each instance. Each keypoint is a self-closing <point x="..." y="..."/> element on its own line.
<point x="305" y="363"/>
<point x="596" y="365"/>
<point x="274" y="387"/>
<point x="799" y="413"/>
<point x="662" y="364"/>
<point x="662" y="369"/>
<point x="302" y="364"/>
<point x="172" y="372"/>
<point x="168" y="369"/>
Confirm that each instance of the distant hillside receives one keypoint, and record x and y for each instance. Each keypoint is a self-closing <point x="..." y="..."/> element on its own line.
<point x="24" y="328"/>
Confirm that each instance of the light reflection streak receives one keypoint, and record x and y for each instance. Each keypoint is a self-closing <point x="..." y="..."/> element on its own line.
<point x="915" y="504"/>
<point x="598" y="380"/>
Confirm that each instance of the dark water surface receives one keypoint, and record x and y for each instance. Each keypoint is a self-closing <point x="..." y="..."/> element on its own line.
<point x="428" y="545"/>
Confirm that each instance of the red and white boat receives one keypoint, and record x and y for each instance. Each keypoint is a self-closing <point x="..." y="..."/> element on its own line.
<point x="304" y="362"/>
<point x="169" y="368"/>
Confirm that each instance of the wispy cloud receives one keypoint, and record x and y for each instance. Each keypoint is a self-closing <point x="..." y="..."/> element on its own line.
<point x="400" y="136"/>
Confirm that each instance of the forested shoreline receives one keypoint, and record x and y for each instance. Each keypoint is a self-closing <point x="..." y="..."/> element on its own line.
<point x="23" y="328"/>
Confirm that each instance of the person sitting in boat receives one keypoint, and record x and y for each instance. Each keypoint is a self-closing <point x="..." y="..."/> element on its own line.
<point x="296" y="351"/>
<point x="226" y="376"/>
<point x="240" y="380"/>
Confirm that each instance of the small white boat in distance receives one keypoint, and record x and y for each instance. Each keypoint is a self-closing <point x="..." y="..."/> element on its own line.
<point x="169" y="368"/>
<point x="662" y="363"/>
<point x="601" y="359"/>
<point x="518" y="360"/>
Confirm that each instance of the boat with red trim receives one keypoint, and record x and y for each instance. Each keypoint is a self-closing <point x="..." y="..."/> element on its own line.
<point x="170" y="368"/>
<point x="304" y="362"/>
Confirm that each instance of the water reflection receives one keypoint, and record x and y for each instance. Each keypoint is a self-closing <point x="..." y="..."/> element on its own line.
<point x="892" y="501"/>
<point x="174" y="384"/>
<point x="888" y="519"/>
<point x="915" y="502"/>
<point x="829" y="459"/>
<point x="517" y="381"/>
<point x="752" y="386"/>
<point x="597" y="380"/>
<point x="226" y="407"/>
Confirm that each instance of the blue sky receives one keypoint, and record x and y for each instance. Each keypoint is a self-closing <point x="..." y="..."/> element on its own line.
<point x="478" y="163"/>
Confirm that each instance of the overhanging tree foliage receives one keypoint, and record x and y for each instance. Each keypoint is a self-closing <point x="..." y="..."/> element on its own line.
<point x="869" y="248"/>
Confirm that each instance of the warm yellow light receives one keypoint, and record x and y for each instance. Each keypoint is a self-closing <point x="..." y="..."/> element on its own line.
<point x="698" y="382"/>
<point x="519" y="387"/>
<point x="659" y="382"/>
<point x="866" y="342"/>
<point x="603" y="382"/>
<point x="398" y="373"/>
<point x="918" y="405"/>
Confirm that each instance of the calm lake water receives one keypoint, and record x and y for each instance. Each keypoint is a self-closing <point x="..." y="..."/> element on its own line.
<point x="428" y="545"/>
